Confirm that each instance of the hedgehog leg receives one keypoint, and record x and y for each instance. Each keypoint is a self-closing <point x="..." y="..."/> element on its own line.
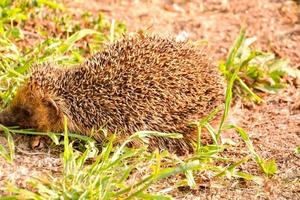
<point x="39" y="142"/>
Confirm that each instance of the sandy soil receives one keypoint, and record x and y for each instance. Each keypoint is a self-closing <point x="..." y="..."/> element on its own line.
<point x="274" y="126"/>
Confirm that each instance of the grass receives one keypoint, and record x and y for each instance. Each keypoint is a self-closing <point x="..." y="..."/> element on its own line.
<point x="116" y="171"/>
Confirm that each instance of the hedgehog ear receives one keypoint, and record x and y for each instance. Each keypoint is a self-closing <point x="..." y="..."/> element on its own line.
<point x="51" y="104"/>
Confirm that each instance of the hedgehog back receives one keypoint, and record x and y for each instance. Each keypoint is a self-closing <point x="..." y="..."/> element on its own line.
<point x="142" y="83"/>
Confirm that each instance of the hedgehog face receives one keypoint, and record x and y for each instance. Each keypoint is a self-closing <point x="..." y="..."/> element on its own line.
<point x="32" y="110"/>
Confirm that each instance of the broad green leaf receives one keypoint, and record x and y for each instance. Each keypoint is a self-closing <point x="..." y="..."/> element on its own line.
<point x="269" y="167"/>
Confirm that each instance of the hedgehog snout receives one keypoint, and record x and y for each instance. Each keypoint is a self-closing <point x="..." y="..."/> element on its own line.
<point x="7" y="118"/>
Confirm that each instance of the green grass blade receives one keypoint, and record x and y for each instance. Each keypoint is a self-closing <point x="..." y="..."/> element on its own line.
<point x="237" y="44"/>
<point x="268" y="167"/>
<point x="228" y="98"/>
<point x="9" y="156"/>
<point x="68" y="43"/>
<point x="247" y="89"/>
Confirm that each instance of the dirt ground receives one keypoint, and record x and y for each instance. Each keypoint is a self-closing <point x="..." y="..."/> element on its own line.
<point x="274" y="126"/>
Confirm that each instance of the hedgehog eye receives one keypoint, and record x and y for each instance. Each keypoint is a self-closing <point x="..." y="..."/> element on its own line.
<point x="27" y="113"/>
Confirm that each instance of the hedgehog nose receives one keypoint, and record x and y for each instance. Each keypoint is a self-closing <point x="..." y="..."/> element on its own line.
<point x="7" y="119"/>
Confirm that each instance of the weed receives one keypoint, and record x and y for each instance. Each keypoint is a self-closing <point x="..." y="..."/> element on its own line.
<point x="255" y="70"/>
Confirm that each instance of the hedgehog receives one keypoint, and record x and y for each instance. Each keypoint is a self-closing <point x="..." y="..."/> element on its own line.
<point x="137" y="83"/>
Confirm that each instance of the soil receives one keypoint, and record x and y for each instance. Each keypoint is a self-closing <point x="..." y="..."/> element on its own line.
<point x="274" y="126"/>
